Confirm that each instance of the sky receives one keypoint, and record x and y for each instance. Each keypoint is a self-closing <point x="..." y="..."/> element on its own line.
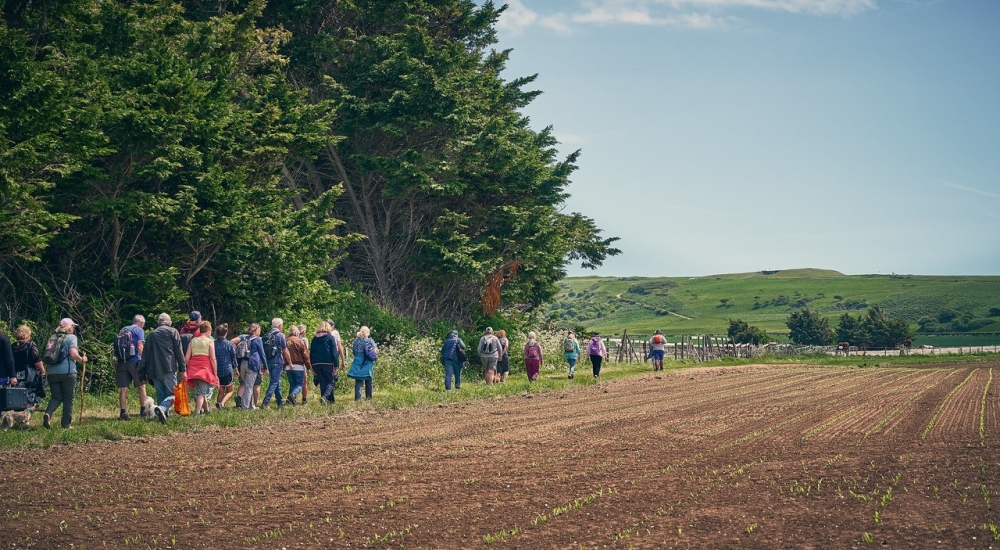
<point x="730" y="136"/>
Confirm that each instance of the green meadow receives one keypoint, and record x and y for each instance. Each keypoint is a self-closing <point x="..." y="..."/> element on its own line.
<point x="704" y="305"/>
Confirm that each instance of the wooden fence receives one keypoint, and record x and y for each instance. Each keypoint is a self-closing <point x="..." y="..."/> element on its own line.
<point x="711" y="347"/>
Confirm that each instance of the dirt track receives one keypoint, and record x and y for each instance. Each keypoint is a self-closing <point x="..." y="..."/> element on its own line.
<point x="759" y="457"/>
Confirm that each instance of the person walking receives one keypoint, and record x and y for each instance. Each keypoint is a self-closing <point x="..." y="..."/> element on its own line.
<point x="276" y="353"/>
<point x="598" y="353"/>
<point x="128" y="348"/>
<point x="324" y="355"/>
<point x="225" y="360"/>
<point x="453" y="356"/>
<point x="657" y="347"/>
<point x="571" y="351"/>
<point x="62" y="355"/>
<point x="202" y="368"/>
<point x="190" y="329"/>
<point x="532" y="356"/>
<point x="162" y="364"/>
<point x="363" y="366"/>
<point x="298" y="352"/>
<point x="503" y="364"/>
<point x="8" y="373"/>
<point x="308" y="371"/>
<point x="489" y="354"/>
<point x="28" y="366"/>
<point x="250" y="354"/>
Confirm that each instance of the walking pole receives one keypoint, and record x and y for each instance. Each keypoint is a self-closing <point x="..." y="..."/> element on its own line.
<point x="83" y="379"/>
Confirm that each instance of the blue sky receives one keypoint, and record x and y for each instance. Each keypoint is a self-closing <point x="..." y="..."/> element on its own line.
<point x="724" y="136"/>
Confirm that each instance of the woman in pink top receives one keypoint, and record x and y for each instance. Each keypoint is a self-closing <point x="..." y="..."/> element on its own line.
<point x="532" y="357"/>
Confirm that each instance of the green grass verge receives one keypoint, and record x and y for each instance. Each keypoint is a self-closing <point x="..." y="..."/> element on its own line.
<point x="100" y="421"/>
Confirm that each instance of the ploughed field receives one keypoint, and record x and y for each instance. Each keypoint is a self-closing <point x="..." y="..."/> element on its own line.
<point x="758" y="457"/>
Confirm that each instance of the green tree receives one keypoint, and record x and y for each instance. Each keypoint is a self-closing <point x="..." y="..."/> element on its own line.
<point x="873" y="329"/>
<point x="170" y="165"/>
<point x="458" y="198"/>
<point x="743" y="333"/>
<point x="807" y="328"/>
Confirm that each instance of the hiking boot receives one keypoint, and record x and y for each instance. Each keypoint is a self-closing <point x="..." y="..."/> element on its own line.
<point x="161" y="415"/>
<point x="304" y="400"/>
<point x="239" y="402"/>
<point x="123" y="416"/>
<point x="218" y="405"/>
<point x="45" y="421"/>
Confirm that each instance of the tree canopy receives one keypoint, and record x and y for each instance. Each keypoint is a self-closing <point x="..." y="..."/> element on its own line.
<point x="249" y="159"/>
<point x="807" y="328"/>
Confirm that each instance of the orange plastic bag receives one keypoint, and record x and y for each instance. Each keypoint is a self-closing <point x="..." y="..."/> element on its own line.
<point x="181" y="405"/>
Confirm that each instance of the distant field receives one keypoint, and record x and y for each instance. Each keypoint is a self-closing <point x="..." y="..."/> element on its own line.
<point x="683" y="305"/>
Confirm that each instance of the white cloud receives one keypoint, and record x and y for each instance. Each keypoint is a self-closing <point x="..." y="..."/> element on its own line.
<point x="971" y="189"/>
<point x="816" y="7"/>
<point x="571" y="139"/>
<point x="517" y="17"/>
<point x="641" y="15"/>
<point x="696" y="14"/>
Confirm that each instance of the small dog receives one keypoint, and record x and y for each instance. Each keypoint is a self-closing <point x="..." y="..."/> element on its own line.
<point x="16" y="419"/>
<point x="147" y="408"/>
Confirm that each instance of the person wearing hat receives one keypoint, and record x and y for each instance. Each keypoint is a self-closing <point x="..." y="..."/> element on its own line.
<point x="62" y="374"/>
<point x="657" y="347"/>
<point x="190" y="330"/>
<point x="489" y="353"/>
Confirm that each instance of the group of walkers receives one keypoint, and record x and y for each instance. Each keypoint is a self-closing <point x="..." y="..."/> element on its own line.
<point x="494" y="354"/>
<point x="206" y="361"/>
<point x="211" y="362"/>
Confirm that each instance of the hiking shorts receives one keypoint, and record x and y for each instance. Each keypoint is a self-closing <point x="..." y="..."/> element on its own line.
<point x="503" y="365"/>
<point x="489" y="363"/>
<point x="226" y="379"/>
<point x="127" y="373"/>
<point x="657" y="354"/>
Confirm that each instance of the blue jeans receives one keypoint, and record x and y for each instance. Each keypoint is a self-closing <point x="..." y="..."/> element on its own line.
<point x="165" y="391"/>
<point x="452" y="368"/>
<point x="295" y="380"/>
<point x="357" y="388"/>
<point x="274" y="388"/>
<point x="572" y="365"/>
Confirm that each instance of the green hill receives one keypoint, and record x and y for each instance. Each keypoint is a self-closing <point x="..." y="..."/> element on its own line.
<point x="704" y="305"/>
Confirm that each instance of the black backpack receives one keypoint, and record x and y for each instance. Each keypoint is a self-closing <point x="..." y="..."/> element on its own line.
<point x="53" y="353"/>
<point x="270" y="345"/>
<point x="124" y="348"/>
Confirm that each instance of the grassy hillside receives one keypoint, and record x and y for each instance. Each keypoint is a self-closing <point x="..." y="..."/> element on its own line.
<point x="690" y="305"/>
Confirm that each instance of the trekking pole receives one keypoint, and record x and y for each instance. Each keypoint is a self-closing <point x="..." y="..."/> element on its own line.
<point x="83" y="382"/>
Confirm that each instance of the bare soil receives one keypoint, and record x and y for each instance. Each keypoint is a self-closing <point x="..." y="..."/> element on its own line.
<point x="749" y="457"/>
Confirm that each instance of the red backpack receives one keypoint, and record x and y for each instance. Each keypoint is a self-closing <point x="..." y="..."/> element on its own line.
<point x="658" y="339"/>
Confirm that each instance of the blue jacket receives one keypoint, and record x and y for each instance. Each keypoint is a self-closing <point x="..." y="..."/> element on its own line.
<point x="323" y="350"/>
<point x="363" y="367"/>
<point x="256" y="359"/>
<point x="449" y="351"/>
